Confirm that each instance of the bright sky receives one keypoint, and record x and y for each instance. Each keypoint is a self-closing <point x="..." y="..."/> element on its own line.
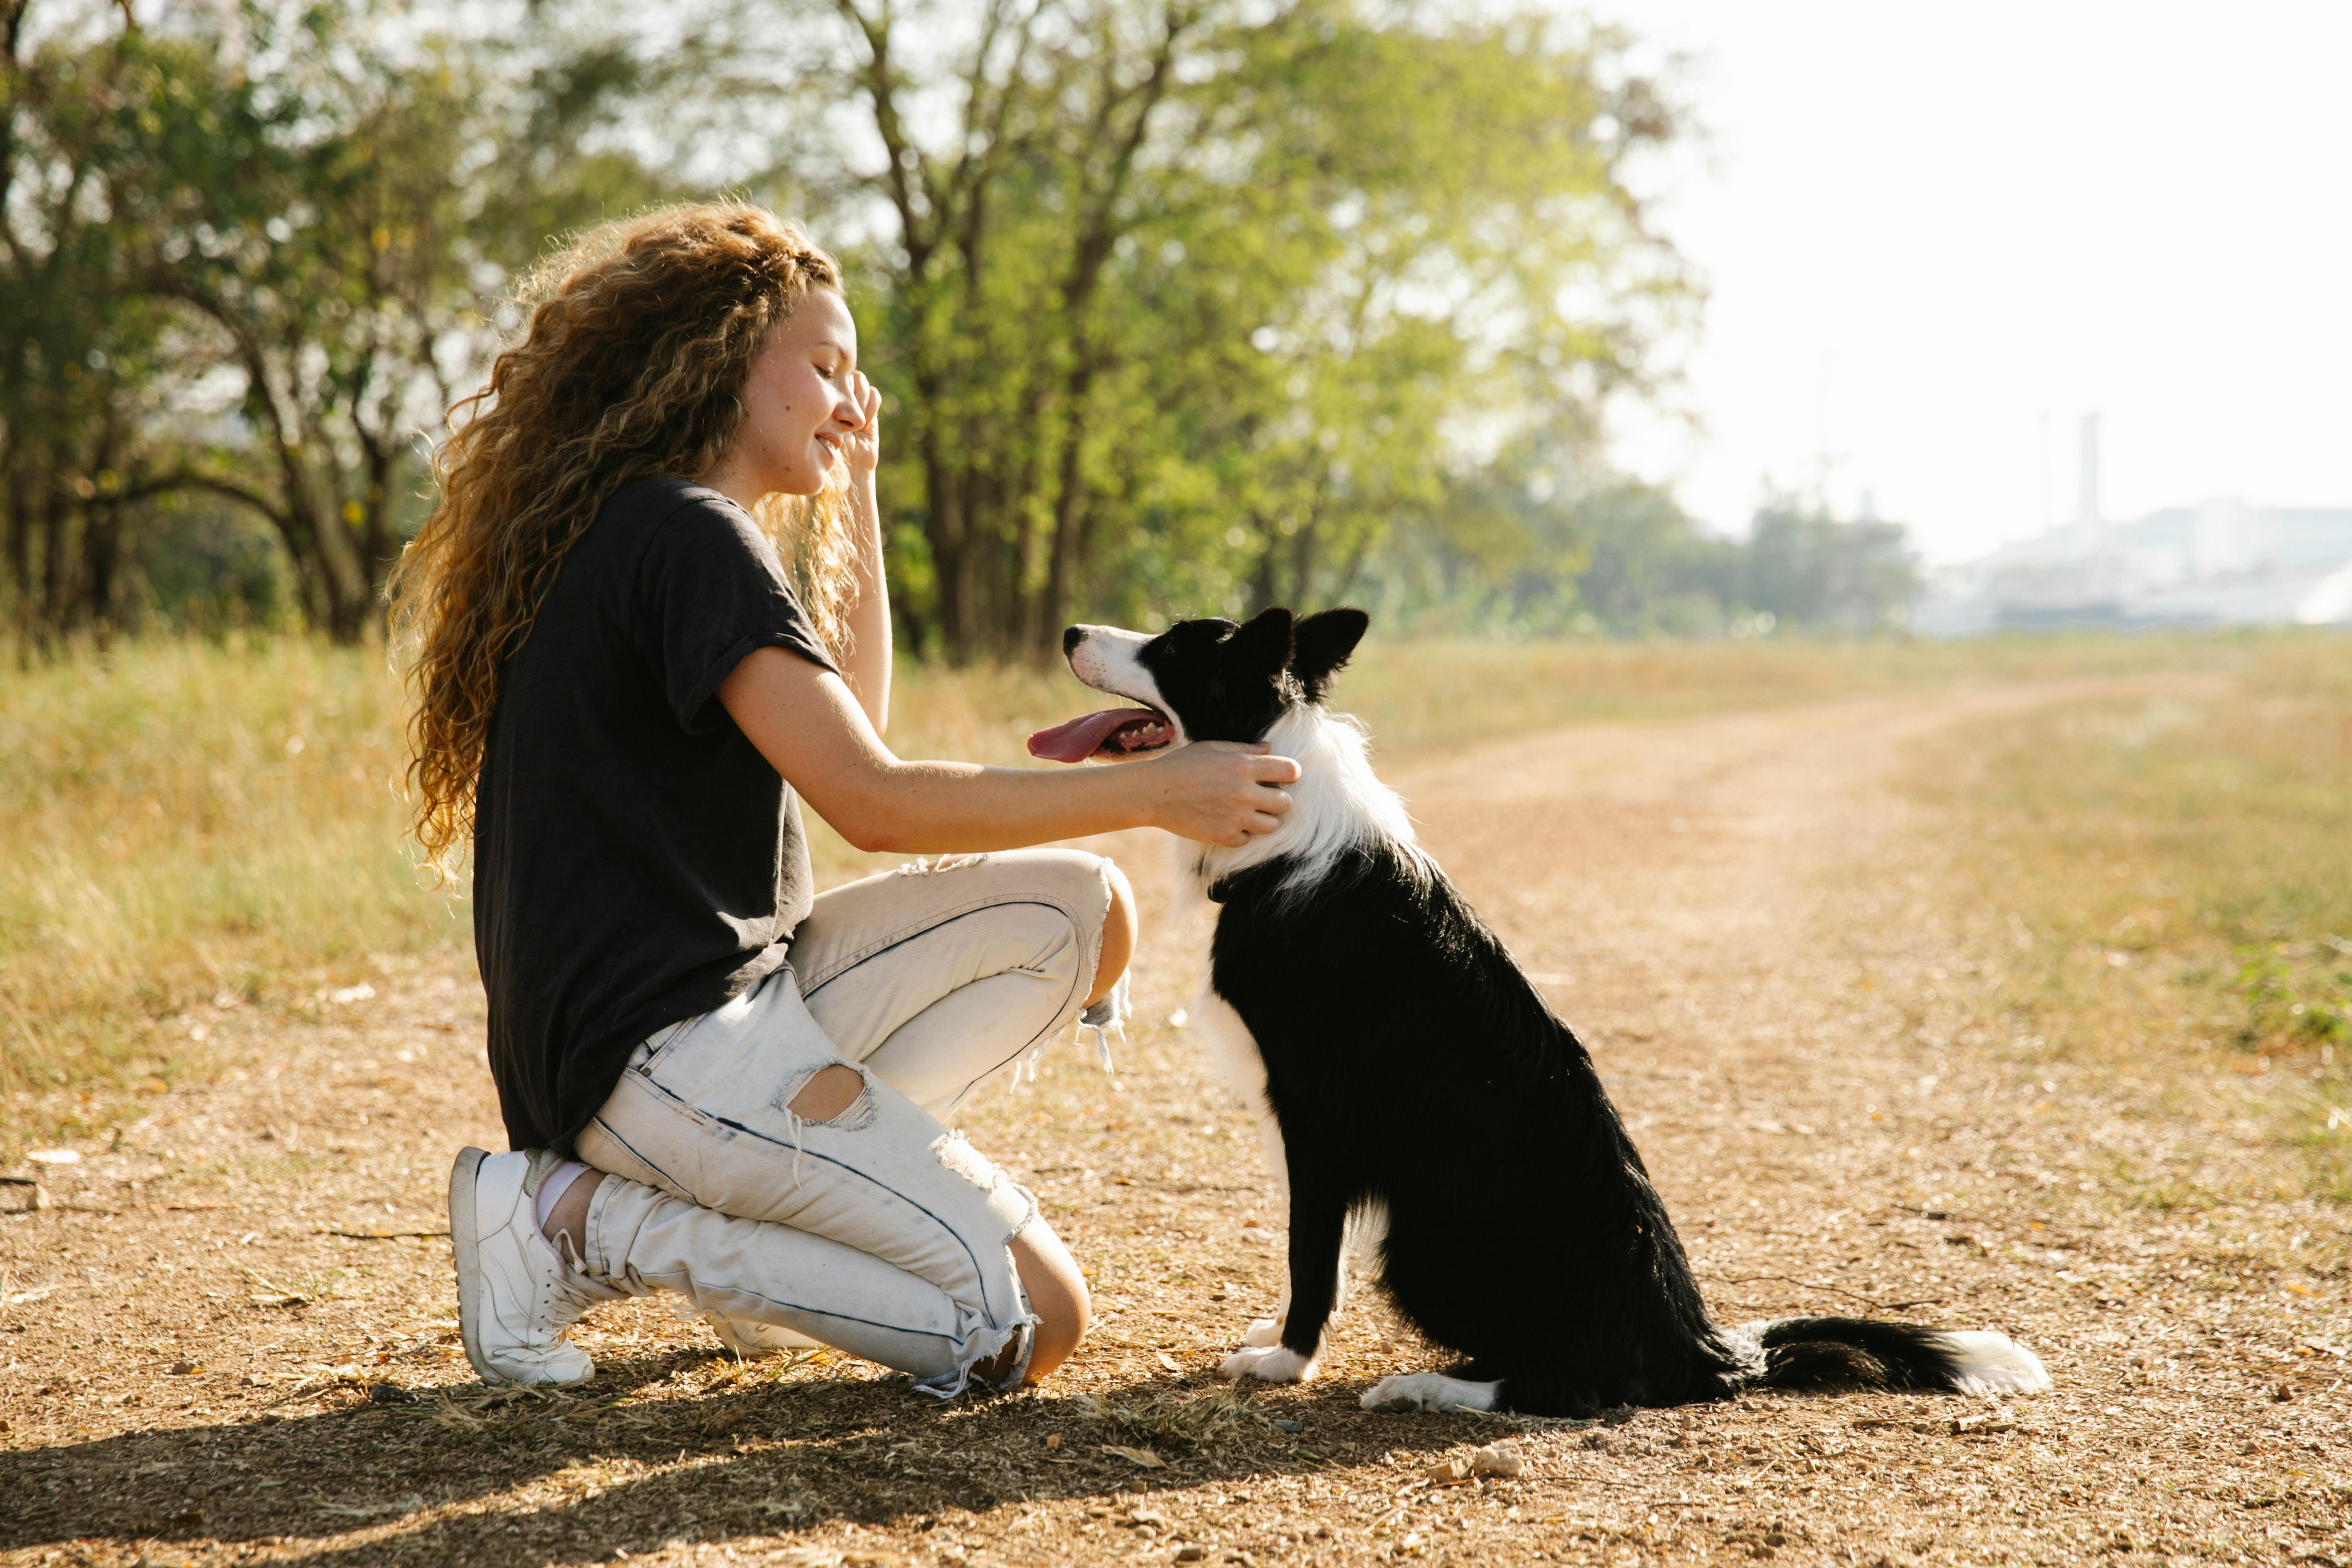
<point x="1938" y="235"/>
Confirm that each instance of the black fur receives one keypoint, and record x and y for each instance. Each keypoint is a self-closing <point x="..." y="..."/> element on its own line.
<point x="1410" y="1062"/>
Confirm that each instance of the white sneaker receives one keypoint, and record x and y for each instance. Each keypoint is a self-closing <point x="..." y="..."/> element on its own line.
<point x="515" y="1297"/>
<point x="751" y="1339"/>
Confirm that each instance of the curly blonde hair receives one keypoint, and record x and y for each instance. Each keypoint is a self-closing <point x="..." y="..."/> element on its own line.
<point x="640" y="336"/>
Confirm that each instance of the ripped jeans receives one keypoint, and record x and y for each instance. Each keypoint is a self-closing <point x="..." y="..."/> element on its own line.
<point x="876" y="1230"/>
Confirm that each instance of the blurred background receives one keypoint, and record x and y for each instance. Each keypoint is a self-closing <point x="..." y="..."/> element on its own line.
<point x="1677" y="318"/>
<point x="1704" y="355"/>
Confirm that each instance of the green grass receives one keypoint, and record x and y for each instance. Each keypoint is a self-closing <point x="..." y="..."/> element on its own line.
<point x="181" y="819"/>
<point x="2168" y="879"/>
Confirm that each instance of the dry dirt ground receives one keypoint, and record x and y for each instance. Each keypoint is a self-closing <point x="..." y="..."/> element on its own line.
<point x="230" y="1336"/>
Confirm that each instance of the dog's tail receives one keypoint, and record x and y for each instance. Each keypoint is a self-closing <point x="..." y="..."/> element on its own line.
<point x="1860" y="1353"/>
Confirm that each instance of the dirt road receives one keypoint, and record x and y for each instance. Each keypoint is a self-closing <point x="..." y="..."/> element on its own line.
<point x="226" y="1339"/>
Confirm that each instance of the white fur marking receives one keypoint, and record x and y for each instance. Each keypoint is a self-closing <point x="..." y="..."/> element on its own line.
<point x="1105" y="659"/>
<point x="1265" y="1332"/>
<point x="1993" y="1366"/>
<point x="1429" y="1391"/>
<point x="1338" y="802"/>
<point x="1272" y="1363"/>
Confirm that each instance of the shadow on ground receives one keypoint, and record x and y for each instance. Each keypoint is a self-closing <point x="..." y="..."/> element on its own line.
<point x="467" y="1475"/>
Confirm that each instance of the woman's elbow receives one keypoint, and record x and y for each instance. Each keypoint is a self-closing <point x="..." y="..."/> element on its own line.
<point x="875" y="839"/>
<point x="870" y="825"/>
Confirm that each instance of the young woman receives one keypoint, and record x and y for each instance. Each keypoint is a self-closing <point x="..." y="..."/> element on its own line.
<point x="648" y="616"/>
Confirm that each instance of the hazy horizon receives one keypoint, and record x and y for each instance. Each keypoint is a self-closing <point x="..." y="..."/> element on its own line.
<point x="1931" y="248"/>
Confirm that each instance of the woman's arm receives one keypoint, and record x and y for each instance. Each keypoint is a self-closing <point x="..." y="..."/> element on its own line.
<point x="867" y="664"/>
<point x="816" y="733"/>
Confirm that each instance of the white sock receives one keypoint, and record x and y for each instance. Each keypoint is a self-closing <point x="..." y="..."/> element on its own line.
<point x="557" y="1182"/>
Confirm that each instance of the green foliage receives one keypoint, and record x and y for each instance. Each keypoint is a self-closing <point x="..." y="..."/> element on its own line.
<point x="244" y="256"/>
<point x="2296" y="991"/>
<point x="1186" y="308"/>
<point x="1523" y="551"/>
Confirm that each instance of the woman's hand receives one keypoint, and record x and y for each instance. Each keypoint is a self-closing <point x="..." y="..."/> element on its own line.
<point x="862" y="446"/>
<point x="1217" y="792"/>
<point x="811" y="728"/>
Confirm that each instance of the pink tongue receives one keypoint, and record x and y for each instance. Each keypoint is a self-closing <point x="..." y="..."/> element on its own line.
<point x="1082" y="737"/>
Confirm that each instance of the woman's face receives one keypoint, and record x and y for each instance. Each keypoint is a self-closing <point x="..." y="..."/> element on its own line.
<point x="799" y="400"/>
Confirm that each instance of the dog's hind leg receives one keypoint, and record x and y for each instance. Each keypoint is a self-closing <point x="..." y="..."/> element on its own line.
<point x="1431" y="1391"/>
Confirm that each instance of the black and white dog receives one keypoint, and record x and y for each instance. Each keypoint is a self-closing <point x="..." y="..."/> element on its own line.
<point x="1412" y="1081"/>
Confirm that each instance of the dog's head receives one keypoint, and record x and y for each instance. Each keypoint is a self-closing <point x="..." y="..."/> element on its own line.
<point x="1198" y="680"/>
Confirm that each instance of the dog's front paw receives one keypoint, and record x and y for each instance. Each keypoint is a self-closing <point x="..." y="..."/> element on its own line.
<point x="1263" y="1331"/>
<point x="1268" y="1364"/>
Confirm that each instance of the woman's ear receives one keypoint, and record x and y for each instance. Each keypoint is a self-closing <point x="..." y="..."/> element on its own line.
<point x="1321" y="644"/>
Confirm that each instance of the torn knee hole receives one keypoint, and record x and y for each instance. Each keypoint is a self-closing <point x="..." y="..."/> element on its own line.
<point x="828" y="1093"/>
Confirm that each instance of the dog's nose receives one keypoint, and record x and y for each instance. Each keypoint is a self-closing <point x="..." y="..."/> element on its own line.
<point x="1071" y="637"/>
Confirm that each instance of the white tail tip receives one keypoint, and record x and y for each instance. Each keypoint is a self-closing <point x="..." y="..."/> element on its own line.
<point x="1993" y="1366"/>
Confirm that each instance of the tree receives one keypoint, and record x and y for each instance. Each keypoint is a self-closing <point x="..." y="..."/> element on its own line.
<point x="82" y="347"/>
<point x="1184" y="303"/>
<point x="340" y="274"/>
<point x="248" y="254"/>
<point x="1809" y="569"/>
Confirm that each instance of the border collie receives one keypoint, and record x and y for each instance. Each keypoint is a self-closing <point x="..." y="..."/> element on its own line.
<point x="1408" y="1075"/>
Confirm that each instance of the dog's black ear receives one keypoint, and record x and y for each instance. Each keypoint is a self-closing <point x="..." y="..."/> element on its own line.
<point x="1321" y="644"/>
<point x="1260" y="649"/>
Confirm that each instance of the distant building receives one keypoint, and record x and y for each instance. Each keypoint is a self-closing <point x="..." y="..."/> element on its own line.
<point x="2223" y="563"/>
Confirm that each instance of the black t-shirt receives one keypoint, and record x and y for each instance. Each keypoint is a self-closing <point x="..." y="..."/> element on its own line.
<point x="636" y="860"/>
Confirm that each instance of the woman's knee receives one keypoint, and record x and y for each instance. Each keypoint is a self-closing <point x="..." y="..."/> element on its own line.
<point x="1120" y="927"/>
<point x="1057" y="1295"/>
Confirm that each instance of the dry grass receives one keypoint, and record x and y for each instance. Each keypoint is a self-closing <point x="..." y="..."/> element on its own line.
<point x="2166" y="877"/>
<point x="186" y="820"/>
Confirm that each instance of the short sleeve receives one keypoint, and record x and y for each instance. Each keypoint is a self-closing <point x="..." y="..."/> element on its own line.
<point x="709" y="590"/>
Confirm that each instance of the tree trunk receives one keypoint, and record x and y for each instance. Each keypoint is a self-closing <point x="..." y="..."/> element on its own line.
<point x="1261" y="592"/>
<point x="54" y="584"/>
<point x="1044" y="637"/>
<point x="102" y="545"/>
<point x="1302" y="567"/>
<point x="943" y="528"/>
<point x="20" y="545"/>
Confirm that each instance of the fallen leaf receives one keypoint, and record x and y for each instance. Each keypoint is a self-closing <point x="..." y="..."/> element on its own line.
<point x="54" y="1156"/>
<point x="1448" y="1473"/>
<point x="1053" y="1439"/>
<point x="1167" y="1361"/>
<point x="1144" y="1457"/>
